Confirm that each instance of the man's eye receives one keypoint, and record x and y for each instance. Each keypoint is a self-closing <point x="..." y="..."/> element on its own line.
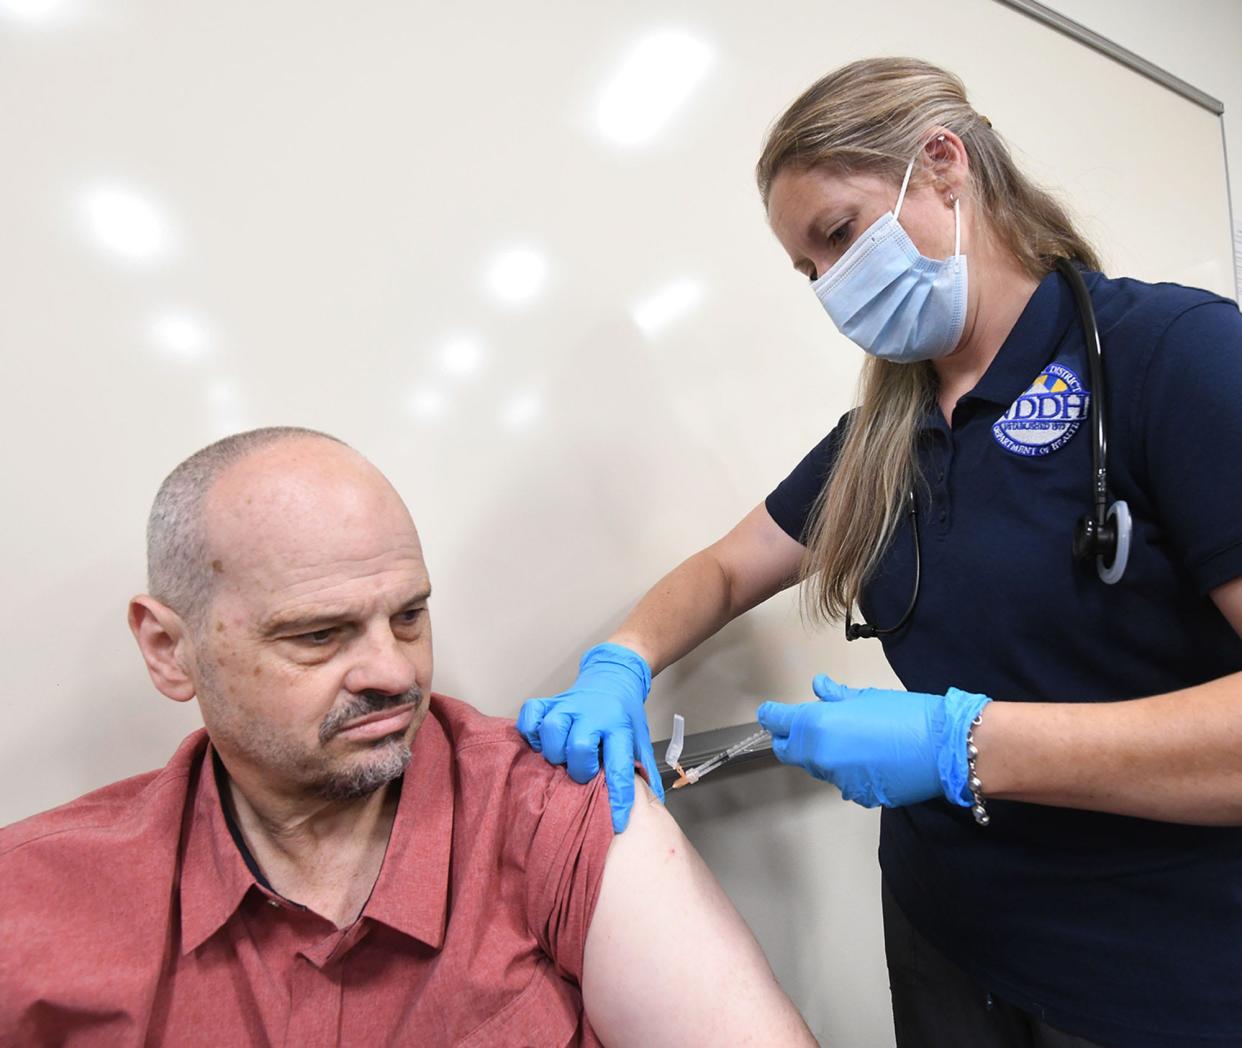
<point x="316" y="638"/>
<point x="409" y="616"/>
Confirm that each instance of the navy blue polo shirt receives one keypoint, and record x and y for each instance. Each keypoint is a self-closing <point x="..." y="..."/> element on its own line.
<point x="1118" y="929"/>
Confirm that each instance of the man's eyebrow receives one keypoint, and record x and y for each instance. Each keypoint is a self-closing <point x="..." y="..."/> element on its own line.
<point x="421" y="595"/>
<point x="329" y="615"/>
<point x="305" y="622"/>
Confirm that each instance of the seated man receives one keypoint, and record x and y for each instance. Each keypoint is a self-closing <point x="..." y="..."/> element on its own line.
<point x="342" y="857"/>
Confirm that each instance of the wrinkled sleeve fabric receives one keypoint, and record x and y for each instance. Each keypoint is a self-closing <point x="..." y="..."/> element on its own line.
<point x="793" y="500"/>
<point x="566" y="867"/>
<point x="1191" y="407"/>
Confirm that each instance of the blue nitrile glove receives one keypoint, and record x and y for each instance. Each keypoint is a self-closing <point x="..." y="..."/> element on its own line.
<point x="878" y="746"/>
<point x="604" y="706"/>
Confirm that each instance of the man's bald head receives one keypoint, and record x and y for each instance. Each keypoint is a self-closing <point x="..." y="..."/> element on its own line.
<point x="179" y="559"/>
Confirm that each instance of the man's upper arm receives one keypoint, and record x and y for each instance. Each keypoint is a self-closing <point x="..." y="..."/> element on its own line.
<point x="668" y="959"/>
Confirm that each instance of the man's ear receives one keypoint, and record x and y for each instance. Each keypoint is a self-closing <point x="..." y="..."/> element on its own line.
<point x="166" y="646"/>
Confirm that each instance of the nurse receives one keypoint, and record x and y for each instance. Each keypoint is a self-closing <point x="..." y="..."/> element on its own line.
<point x="1060" y="847"/>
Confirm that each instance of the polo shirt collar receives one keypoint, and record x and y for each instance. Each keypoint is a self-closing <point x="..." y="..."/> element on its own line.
<point x="1031" y="345"/>
<point x="411" y="893"/>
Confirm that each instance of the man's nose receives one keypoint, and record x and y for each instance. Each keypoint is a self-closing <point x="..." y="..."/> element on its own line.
<point x="382" y="664"/>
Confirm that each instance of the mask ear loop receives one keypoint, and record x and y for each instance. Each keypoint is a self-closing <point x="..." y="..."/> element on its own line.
<point x="957" y="225"/>
<point x="905" y="183"/>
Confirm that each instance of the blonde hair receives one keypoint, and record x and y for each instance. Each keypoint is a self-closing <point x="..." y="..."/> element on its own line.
<point x="873" y="116"/>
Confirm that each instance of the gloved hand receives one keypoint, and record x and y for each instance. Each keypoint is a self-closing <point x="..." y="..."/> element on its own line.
<point x="605" y="705"/>
<point x="878" y="746"/>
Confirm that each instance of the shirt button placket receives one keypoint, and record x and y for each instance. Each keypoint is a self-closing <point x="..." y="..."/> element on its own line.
<point x="314" y="1005"/>
<point x="940" y="493"/>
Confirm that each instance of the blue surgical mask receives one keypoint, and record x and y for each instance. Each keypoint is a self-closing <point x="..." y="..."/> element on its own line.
<point x="892" y="301"/>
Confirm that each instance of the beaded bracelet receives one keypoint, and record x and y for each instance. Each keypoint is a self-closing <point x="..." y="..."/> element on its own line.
<point x="979" y="809"/>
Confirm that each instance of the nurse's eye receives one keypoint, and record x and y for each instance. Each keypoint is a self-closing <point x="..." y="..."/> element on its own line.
<point x="840" y="236"/>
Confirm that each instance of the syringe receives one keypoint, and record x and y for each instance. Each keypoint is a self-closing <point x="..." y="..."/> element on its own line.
<point x="751" y="742"/>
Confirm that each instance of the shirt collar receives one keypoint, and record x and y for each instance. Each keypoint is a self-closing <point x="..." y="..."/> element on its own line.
<point x="214" y="877"/>
<point x="411" y="894"/>
<point x="1031" y="344"/>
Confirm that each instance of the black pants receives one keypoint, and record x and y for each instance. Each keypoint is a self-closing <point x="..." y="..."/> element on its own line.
<point x="937" y="1005"/>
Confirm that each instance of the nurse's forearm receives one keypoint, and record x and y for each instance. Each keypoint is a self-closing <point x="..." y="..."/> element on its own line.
<point x="755" y="560"/>
<point x="1175" y="757"/>
<point x="679" y="612"/>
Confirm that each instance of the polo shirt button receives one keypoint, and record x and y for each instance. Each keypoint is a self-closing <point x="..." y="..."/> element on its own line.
<point x="943" y="516"/>
<point x="273" y="902"/>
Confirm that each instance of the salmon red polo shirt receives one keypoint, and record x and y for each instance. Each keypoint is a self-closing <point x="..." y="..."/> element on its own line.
<point x="130" y="915"/>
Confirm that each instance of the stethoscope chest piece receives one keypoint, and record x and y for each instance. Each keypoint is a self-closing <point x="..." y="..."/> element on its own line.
<point x="1107" y="542"/>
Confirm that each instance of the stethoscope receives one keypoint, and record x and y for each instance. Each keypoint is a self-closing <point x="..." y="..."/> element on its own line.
<point x="1104" y="532"/>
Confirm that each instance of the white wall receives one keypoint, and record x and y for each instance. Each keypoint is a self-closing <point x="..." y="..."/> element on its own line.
<point x="1199" y="41"/>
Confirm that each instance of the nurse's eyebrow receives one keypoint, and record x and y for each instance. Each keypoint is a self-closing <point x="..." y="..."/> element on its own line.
<point x="818" y="226"/>
<point x="825" y="227"/>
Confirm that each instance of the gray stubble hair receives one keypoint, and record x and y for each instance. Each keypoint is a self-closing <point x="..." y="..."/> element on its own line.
<point x="179" y="573"/>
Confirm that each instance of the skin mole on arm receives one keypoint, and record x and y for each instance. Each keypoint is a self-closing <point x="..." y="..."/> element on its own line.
<point x="218" y="567"/>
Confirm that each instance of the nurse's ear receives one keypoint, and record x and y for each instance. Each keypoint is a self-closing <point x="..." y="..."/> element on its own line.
<point x="947" y="164"/>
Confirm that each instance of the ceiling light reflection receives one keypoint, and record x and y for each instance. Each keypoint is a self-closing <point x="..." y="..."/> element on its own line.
<point x="427" y="403"/>
<point x="521" y="411"/>
<point x="33" y="10"/>
<point x="461" y="355"/>
<point x="126" y="223"/>
<point x="179" y="335"/>
<point x="655" y="79"/>
<point x="667" y="305"/>
<point x="516" y="275"/>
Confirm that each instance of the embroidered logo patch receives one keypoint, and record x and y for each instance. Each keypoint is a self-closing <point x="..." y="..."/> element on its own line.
<point x="1046" y="416"/>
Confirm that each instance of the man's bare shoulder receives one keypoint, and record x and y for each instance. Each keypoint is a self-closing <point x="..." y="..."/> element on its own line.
<point x="651" y="821"/>
<point x="657" y="898"/>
